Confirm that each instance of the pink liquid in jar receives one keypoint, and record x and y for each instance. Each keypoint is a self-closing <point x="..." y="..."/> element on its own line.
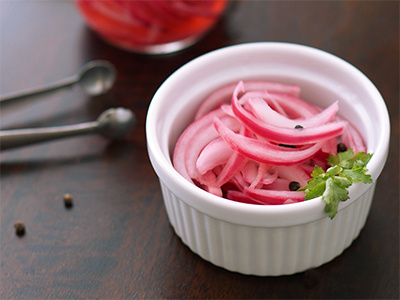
<point x="151" y="26"/>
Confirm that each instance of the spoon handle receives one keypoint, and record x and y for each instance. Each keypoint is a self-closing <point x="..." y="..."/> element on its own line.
<point x="21" y="95"/>
<point x="21" y="137"/>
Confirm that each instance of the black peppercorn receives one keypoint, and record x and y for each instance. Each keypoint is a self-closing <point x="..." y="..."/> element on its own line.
<point x="68" y="201"/>
<point x="287" y="146"/>
<point x="341" y="147"/>
<point x="298" y="127"/>
<point x="19" y="228"/>
<point x="294" y="186"/>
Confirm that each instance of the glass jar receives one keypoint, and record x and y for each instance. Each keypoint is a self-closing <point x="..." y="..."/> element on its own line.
<point x="151" y="26"/>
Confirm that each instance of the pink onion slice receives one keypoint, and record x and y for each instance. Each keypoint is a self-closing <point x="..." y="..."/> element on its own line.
<point x="280" y="184"/>
<point x="294" y="107"/>
<point x="196" y="136"/>
<point x="274" y="197"/>
<point x="216" y="153"/>
<point x="242" y="197"/>
<point x="262" y="151"/>
<point x="224" y="94"/>
<point x="208" y="182"/>
<point x="232" y="166"/>
<point x="286" y="105"/>
<point x="257" y="174"/>
<point x="284" y="135"/>
<point x="260" y="108"/>
<point x="330" y="146"/>
<point x="294" y="173"/>
<point x="356" y="140"/>
<point x="270" y="176"/>
<point x="250" y="171"/>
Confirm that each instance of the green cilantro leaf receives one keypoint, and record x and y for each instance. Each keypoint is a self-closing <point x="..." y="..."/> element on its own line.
<point x="332" y="185"/>
<point x="333" y="194"/>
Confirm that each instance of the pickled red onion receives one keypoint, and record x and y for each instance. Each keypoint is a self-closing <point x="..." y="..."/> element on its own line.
<point x="244" y="144"/>
<point x="224" y="94"/>
<point x="282" y="134"/>
<point x="261" y="151"/>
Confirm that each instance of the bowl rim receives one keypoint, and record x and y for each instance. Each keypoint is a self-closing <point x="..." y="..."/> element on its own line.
<point x="248" y="214"/>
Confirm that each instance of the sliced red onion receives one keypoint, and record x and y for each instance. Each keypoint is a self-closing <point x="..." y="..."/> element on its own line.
<point x="224" y="94"/>
<point x="295" y="107"/>
<point x="290" y="136"/>
<point x="357" y="141"/>
<point x="260" y="108"/>
<point x="232" y="166"/>
<point x="196" y="136"/>
<point x="294" y="173"/>
<point x="216" y="153"/>
<point x="246" y="148"/>
<point x="256" y="174"/>
<point x="330" y="146"/>
<point x="242" y="197"/>
<point x="274" y="197"/>
<point x="261" y="151"/>
<point x="279" y="184"/>
<point x="208" y="182"/>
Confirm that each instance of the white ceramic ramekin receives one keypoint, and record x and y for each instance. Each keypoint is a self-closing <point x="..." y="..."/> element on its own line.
<point x="254" y="239"/>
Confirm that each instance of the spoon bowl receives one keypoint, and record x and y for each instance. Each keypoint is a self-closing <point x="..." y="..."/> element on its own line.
<point x="115" y="123"/>
<point x="96" y="77"/>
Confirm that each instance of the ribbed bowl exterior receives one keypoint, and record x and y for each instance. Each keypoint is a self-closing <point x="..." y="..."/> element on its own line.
<point x="266" y="251"/>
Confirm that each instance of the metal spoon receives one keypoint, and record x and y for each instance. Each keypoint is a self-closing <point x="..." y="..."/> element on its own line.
<point x="114" y="123"/>
<point x="94" y="78"/>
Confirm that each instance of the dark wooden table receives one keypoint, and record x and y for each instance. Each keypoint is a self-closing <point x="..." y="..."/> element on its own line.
<point x="116" y="241"/>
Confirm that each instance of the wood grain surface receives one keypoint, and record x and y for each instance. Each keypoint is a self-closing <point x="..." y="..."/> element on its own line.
<point x="116" y="241"/>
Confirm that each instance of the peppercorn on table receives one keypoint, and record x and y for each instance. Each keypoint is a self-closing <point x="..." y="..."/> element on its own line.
<point x="83" y="217"/>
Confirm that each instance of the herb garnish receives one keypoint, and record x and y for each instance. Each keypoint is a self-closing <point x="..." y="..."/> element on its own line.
<point x="332" y="185"/>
